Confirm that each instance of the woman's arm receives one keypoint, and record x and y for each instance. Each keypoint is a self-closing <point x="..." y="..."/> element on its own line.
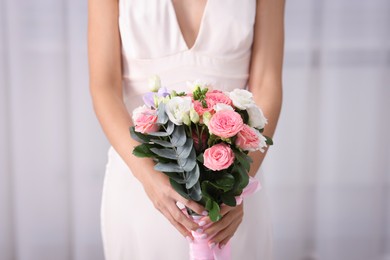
<point x="104" y="50"/>
<point x="265" y="82"/>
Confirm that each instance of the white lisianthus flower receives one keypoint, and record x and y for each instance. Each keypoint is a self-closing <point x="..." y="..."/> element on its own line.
<point x="194" y="116"/>
<point x="178" y="109"/>
<point x="221" y="106"/>
<point x="154" y="83"/>
<point x="198" y="84"/>
<point x="256" y="117"/>
<point x="242" y="99"/>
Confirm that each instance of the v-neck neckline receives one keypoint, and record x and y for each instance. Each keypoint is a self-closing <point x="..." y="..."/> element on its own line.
<point x="177" y="25"/>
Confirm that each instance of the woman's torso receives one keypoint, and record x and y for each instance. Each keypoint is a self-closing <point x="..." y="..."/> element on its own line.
<point x="152" y="43"/>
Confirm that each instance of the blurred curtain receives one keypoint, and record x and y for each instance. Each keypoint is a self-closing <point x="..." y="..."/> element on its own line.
<point x="328" y="175"/>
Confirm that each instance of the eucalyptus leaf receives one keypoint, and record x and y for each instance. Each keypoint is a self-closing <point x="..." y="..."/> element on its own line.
<point x="162" y="143"/>
<point x="195" y="192"/>
<point x="162" y="117"/>
<point x="170" y="128"/>
<point x="178" y="177"/>
<point x="139" y="137"/>
<point x="168" y="167"/>
<point x="188" y="163"/>
<point x="179" y="136"/>
<point x="184" y="151"/>
<point x="179" y="189"/>
<point x="192" y="177"/>
<point x="165" y="153"/>
<point x="161" y="134"/>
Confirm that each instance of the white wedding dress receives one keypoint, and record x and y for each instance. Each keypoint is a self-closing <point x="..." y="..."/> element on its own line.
<point x="152" y="43"/>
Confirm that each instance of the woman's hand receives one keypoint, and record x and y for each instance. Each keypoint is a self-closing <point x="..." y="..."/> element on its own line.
<point x="164" y="199"/>
<point x="222" y="231"/>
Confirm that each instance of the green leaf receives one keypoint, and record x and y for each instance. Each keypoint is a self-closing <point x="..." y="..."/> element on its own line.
<point x="143" y="150"/>
<point x="168" y="167"/>
<point x="179" y="189"/>
<point x="214" y="210"/>
<point x="195" y="192"/>
<point x="165" y="153"/>
<point x="192" y="177"/>
<point x="269" y="140"/>
<point x="179" y="136"/>
<point x="229" y="199"/>
<point x="139" y="137"/>
<point x="226" y="182"/>
<point x="176" y="177"/>
<point x="162" y="142"/>
<point x="162" y="117"/>
<point x="243" y="178"/>
<point x="200" y="158"/>
<point x="243" y="159"/>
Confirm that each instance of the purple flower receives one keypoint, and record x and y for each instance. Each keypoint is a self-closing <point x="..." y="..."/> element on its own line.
<point x="149" y="96"/>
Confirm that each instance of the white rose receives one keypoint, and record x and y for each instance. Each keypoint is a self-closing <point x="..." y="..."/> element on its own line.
<point x="178" y="108"/>
<point x="154" y="83"/>
<point x="256" y="117"/>
<point x="222" y="106"/>
<point x="241" y="98"/>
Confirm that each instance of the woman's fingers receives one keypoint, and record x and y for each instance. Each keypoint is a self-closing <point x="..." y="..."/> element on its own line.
<point x="184" y="231"/>
<point x="191" y="204"/>
<point x="226" y="234"/>
<point x="181" y="218"/>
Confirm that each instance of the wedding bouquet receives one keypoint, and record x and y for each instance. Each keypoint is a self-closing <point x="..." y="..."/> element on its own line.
<point x="201" y="141"/>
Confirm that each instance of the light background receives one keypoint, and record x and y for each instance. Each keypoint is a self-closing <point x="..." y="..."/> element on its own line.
<point x="328" y="173"/>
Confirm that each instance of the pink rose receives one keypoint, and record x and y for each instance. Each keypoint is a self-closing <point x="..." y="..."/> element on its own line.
<point x="215" y="97"/>
<point x="218" y="157"/>
<point x="225" y="123"/>
<point x="145" y="120"/>
<point x="248" y="139"/>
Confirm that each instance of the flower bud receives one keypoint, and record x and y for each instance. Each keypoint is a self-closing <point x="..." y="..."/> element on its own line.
<point x="206" y="118"/>
<point x="194" y="116"/>
<point x="154" y="83"/>
<point x="186" y="119"/>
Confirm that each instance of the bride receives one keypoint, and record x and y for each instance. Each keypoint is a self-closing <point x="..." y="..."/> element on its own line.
<point x="231" y="43"/>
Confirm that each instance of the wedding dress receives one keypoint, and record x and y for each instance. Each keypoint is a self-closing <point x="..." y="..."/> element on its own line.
<point x="152" y="43"/>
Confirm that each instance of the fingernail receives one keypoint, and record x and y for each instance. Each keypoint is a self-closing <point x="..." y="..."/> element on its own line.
<point x="212" y="245"/>
<point x="221" y="246"/>
<point x="203" y="236"/>
<point x="205" y="213"/>
<point x="202" y="223"/>
<point x="199" y="230"/>
<point x="189" y="239"/>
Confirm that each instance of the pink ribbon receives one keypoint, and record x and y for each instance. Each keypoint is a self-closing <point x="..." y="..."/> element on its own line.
<point x="199" y="247"/>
